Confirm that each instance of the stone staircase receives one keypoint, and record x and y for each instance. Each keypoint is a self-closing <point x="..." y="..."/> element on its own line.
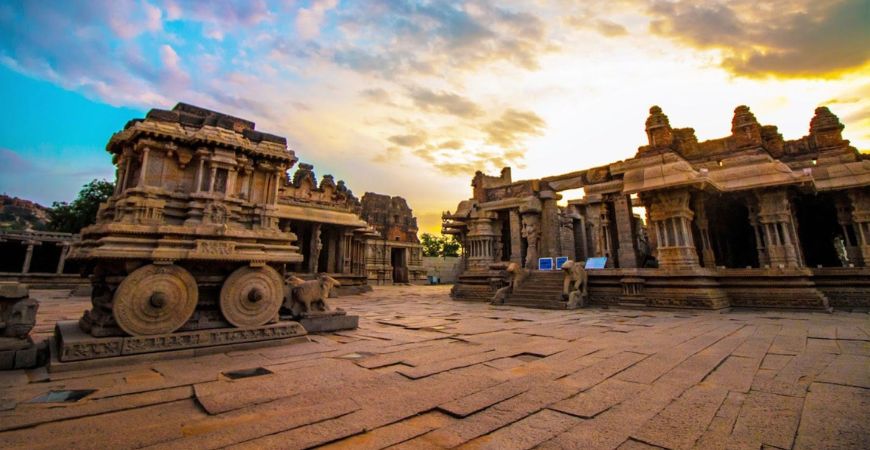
<point x="542" y="289"/>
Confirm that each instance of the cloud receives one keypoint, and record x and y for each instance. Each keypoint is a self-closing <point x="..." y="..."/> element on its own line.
<point x="309" y="20"/>
<point x="444" y="102"/>
<point x="218" y="16"/>
<point x="605" y="27"/>
<point x="803" y="39"/>
<point x="512" y="127"/>
<point x="454" y="144"/>
<point x="376" y="95"/>
<point x="490" y="146"/>
<point x="404" y="37"/>
<point x="409" y="140"/>
<point x="12" y="163"/>
<point x="390" y="155"/>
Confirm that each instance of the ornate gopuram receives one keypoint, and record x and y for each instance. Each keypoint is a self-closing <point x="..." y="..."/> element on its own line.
<point x="749" y="220"/>
<point x="199" y="243"/>
<point x="395" y="255"/>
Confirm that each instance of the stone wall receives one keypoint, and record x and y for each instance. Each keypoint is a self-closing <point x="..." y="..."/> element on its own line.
<point x="447" y="269"/>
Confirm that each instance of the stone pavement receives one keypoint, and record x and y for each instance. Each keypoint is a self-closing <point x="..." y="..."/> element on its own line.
<point x="423" y="371"/>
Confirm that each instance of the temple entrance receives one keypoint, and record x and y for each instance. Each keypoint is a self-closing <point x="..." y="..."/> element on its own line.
<point x="731" y="235"/>
<point x="817" y="228"/>
<point x="505" y="241"/>
<point x="398" y="260"/>
<point x="13" y="256"/>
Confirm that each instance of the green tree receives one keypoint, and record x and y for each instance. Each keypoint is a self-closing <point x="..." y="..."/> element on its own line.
<point x="431" y="244"/>
<point x="72" y="217"/>
<point x="450" y="247"/>
<point x="439" y="245"/>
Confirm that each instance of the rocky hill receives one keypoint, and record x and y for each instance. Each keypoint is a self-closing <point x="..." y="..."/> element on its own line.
<point x="19" y="214"/>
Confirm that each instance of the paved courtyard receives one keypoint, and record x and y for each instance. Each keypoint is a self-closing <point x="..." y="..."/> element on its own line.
<point x="423" y="371"/>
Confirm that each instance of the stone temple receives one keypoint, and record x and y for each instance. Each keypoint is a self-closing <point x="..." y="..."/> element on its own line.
<point x="207" y="318"/>
<point x="750" y="219"/>
<point x="397" y="255"/>
<point x="206" y="234"/>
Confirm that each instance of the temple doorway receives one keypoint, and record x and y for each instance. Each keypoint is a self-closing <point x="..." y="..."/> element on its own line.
<point x="398" y="260"/>
<point x="13" y="256"/>
<point x="817" y="228"/>
<point x="731" y="234"/>
<point x="504" y="243"/>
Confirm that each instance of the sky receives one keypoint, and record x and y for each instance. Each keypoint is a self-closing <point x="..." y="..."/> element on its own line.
<point x="410" y="98"/>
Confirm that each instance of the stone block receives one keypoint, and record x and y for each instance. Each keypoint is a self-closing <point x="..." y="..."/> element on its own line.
<point x="27" y="358"/>
<point x="322" y="323"/>
<point x="7" y="359"/>
<point x="13" y="290"/>
<point x="82" y="290"/>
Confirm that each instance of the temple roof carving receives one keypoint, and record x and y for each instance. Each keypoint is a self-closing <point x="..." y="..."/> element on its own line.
<point x="194" y="126"/>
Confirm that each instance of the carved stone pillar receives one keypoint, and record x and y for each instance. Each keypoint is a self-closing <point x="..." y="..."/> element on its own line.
<point x="212" y="176"/>
<point x="701" y="220"/>
<point x="605" y="234"/>
<point x="777" y="219"/>
<point x="531" y="231"/>
<point x="314" y="248"/>
<point x="549" y="226"/>
<point x="28" y="256"/>
<point x="481" y="238"/>
<point x="144" y="169"/>
<point x="63" y="254"/>
<point x="516" y="237"/>
<point x="627" y="252"/>
<point x="850" y="230"/>
<point x="670" y="218"/>
<point x="331" y="250"/>
<point x="567" y="237"/>
<point x="860" y="200"/>
<point x="758" y="228"/>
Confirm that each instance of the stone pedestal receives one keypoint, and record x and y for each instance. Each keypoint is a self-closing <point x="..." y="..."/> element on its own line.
<point x="72" y="344"/>
<point x="17" y="318"/>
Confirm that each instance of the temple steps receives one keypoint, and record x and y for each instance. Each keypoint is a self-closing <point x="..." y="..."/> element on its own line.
<point x="542" y="290"/>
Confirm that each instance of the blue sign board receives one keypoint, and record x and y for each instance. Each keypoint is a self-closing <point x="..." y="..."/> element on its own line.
<point x="560" y="261"/>
<point x="596" y="263"/>
<point x="545" y="263"/>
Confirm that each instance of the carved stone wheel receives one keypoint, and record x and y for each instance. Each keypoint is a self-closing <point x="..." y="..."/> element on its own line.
<point x="252" y="296"/>
<point x="155" y="300"/>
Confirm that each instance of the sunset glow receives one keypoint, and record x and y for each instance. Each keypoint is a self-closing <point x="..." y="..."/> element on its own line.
<point x="410" y="98"/>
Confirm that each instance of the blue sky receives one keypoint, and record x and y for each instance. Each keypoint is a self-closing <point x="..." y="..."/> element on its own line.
<point x="53" y="139"/>
<point x="409" y="97"/>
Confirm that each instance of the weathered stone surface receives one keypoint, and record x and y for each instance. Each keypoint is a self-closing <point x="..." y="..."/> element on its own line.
<point x="345" y="389"/>
<point x="526" y="433"/>
<point x="834" y="417"/>
<point x="768" y="419"/>
<point x="682" y="422"/>
<point x="598" y="399"/>
<point x="473" y="403"/>
<point x="850" y="370"/>
<point x="392" y="434"/>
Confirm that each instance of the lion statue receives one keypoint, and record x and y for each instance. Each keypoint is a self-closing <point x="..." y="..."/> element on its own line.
<point x="575" y="285"/>
<point x="308" y="296"/>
